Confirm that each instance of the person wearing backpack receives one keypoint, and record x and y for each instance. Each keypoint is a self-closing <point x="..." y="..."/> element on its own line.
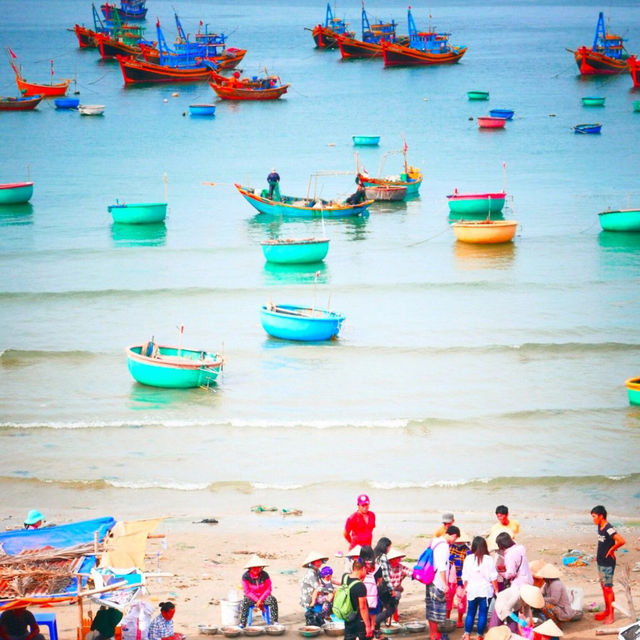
<point x="436" y="609"/>
<point x="350" y="603"/>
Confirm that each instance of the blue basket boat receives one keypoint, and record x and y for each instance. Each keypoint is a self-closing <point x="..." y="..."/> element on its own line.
<point x="507" y="114"/>
<point x="202" y="109"/>
<point x="370" y="141"/>
<point x="295" y="251"/>
<point x="172" y="367"/>
<point x="305" y="324"/>
<point x="67" y="103"/>
<point x="588" y="128"/>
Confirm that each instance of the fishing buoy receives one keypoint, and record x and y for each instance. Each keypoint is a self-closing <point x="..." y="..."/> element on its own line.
<point x="425" y="99"/>
<point x="175" y="94"/>
<point x="165" y="100"/>
<point x="552" y="115"/>
<point x="331" y="144"/>
<point x="470" y="118"/>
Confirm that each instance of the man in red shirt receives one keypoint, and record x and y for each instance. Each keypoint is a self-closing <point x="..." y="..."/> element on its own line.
<point x="359" y="527"/>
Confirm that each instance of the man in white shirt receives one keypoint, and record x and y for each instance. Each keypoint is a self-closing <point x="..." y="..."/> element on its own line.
<point x="437" y="590"/>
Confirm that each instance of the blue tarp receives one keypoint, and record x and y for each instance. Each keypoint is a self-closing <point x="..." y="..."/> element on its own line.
<point x="64" y="535"/>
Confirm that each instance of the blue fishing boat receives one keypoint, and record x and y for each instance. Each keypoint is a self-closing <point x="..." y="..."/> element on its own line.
<point x="305" y="324"/>
<point x="295" y="251"/>
<point x="16" y="192"/>
<point x="507" y="114"/>
<point x="301" y="207"/>
<point x="66" y="103"/>
<point x="202" y="109"/>
<point x="138" y="213"/>
<point x="172" y="367"/>
<point x="128" y="9"/>
<point x="588" y="128"/>
<point x="370" y="141"/>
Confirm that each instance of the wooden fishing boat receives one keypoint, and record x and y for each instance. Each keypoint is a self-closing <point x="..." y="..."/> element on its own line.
<point x="302" y="207"/>
<point x="491" y="122"/>
<point x="475" y="204"/>
<point x="370" y="141"/>
<point x="325" y="35"/>
<point x="633" y="390"/>
<point x="606" y="56"/>
<point x="594" y="127"/>
<point x="30" y="89"/>
<point x="620" y="220"/>
<point x="411" y="178"/>
<point x="268" y="87"/>
<point x="370" y="46"/>
<point x="91" y="109"/>
<point x="16" y="192"/>
<point x="593" y="101"/>
<point x="478" y="95"/>
<point x="87" y="38"/>
<point x="20" y="104"/>
<point x="128" y="9"/>
<point x="386" y="193"/>
<point x="140" y="71"/>
<point x="202" y="109"/>
<point x="295" y="250"/>
<point x="172" y="367"/>
<point x="485" y="231"/>
<point x="66" y="103"/>
<point x="507" y="114"/>
<point x="634" y="69"/>
<point x="424" y="48"/>
<point x="138" y="213"/>
<point x="306" y="324"/>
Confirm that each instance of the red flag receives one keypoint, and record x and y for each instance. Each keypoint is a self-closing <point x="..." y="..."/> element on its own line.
<point x="181" y="327"/>
<point x="51" y="68"/>
<point x="405" y="147"/>
<point x="13" y="55"/>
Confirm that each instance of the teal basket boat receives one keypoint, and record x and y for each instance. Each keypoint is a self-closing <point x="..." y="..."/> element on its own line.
<point x="370" y="141"/>
<point x="295" y="251"/>
<point x="172" y="367"/>
<point x="633" y="390"/>
<point x="621" y="220"/>
<point x="593" y="101"/>
<point x="16" y="192"/>
<point x="478" y="95"/>
<point x="475" y="204"/>
<point x="140" y="213"/>
<point x="304" y="324"/>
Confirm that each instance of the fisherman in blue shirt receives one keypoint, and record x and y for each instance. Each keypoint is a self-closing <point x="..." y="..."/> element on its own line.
<point x="273" y="179"/>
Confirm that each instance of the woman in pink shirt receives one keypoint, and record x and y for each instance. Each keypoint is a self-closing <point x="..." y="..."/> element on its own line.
<point x="256" y="585"/>
<point x="516" y="566"/>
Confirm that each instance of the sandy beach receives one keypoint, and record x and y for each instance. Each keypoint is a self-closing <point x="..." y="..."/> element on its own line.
<point x="206" y="561"/>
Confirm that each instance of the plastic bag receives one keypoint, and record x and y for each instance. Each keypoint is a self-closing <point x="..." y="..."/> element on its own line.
<point x="135" y="625"/>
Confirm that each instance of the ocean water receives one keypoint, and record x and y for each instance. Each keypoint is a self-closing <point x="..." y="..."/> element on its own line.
<point x="464" y="376"/>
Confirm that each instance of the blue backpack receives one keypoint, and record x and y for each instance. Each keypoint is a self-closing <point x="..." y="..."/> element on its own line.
<point x="425" y="571"/>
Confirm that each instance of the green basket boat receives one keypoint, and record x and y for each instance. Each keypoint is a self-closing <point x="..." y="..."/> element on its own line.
<point x="295" y="251"/>
<point x="140" y="213"/>
<point x="16" y="192"/>
<point x="172" y="367"/>
<point x="475" y="204"/>
<point x="633" y="390"/>
<point x="593" y="101"/>
<point x="636" y="106"/>
<point x="620" y="220"/>
<point x="478" y="95"/>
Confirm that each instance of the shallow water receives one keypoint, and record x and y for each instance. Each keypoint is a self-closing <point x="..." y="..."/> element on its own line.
<point x="463" y="374"/>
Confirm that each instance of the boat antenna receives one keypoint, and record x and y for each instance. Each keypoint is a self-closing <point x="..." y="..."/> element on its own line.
<point x="29" y="172"/>
<point x="180" y="332"/>
<point x="165" y="180"/>
<point x="404" y="153"/>
<point x="504" y="177"/>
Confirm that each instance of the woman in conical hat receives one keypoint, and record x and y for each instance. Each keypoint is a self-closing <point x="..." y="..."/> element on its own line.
<point x="557" y="603"/>
<point x="256" y="585"/>
<point x="547" y="630"/>
<point x="310" y="582"/>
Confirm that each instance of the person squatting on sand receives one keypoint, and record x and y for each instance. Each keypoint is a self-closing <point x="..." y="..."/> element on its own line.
<point x="436" y="592"/>
<point x="608" y="541"/>
<point x="256" y="585"/>
<point x="513" y="607"/>
<point x="557" y="604"/>
<point x="309" y="584"/>
<point x="161" y="627"/>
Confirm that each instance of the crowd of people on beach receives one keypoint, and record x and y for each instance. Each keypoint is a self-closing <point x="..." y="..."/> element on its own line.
<point x="488" y="580"/>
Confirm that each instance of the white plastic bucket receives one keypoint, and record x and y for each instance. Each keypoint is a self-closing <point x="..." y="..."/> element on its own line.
<point x="230" y="612"/>
<point x="576" y="594"/>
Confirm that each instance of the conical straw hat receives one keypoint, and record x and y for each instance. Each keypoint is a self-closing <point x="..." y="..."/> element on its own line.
<point x="501" y="632"/>
<point x="549" y="628"/>
<point x="312" y="557"/>
<point x="255" y="561"/>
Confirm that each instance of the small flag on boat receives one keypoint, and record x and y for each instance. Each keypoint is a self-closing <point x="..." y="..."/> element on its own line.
<point x="51" y="68"/>
<point x="13" y="55"/>
<point x="181" y="329"/>
<point x="317" y="274"/>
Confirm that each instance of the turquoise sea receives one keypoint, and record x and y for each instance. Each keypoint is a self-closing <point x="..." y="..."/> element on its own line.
<point x="464" y="376"/>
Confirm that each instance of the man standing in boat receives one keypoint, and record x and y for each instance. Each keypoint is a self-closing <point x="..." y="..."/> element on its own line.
<point x="273" y="179"/>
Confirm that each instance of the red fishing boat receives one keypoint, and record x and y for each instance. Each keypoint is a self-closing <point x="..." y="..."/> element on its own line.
<point x="424" y="48"/>
<point x="325" y="35"/>
<point x="31" y="89"/>
<point x="87" y="37"/>
<point x="605" y="57"/>
<point x="372" y="37"/>
<point x="634" y="69"/>
<point x="20" y="104"/>
<point x="141" y="71"/>
<point x="265" y="88"/>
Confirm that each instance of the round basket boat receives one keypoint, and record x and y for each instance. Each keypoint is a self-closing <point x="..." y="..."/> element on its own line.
<point x="202" y="109"/>
<point x="633" y="390"/>
<point x="478" y="95"/>
<point x="393" y="629"/>
<point x="309" y="631"/>
<point x="485" y="231"/>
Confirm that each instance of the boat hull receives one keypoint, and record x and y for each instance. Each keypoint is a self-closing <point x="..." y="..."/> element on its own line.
<point x="20" y="104"/>
<point x="634" y="69"/>
<point x="352" y="48"/>
<point x="31" y="89"/>
<point x="485" y="231"/>
<point x="295" y="251"/>
<point x="290" y="322"/>
<point x="326" y="38"/>
<point x="385" y="193"/>
<point x="593" y="63"/>
<point x="66" y="103"/>
<point x="202" y="109"/>
<point x="273" y="208"/>
<point x="587" y="128"/>
<point x="478" y="95"/>
<point x="87" y="38"/>
<point x="370" y="141"/>
<point x="507" y="114"/>
<point x="139" y="71"/>
<point x="226" y="92"/>
<point x="476" y="203"/>
<point x="140" y="213"/>
<point x="621" y="220"/>
<point x="491" y="122"/>
<point x="397" y="55"/>
<point x="593" y="101"/>
<point x="412" y="186"/>
<point x="173" y="368"/>
<point x="16" y="192"/>
<point x="633" y="390"/>
<point x="112" y="48"/>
